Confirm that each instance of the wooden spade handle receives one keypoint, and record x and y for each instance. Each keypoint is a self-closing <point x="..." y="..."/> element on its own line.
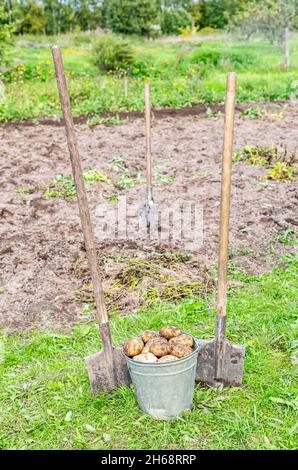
<point x="148" y="134"/>
<point x="226" y="194"/>
<point x="81" y="192"/>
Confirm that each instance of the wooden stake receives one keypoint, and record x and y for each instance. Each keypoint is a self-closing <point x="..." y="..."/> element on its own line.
<point x="224" y="222"/>
<point x="81" y="192"/>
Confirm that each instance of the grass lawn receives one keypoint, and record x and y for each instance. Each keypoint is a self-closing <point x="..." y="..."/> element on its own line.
<point x="45" y="400"/>
<point x="180" y="73"/>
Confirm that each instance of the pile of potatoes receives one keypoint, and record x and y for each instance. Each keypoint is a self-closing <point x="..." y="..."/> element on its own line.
<point x="169" y="344"/>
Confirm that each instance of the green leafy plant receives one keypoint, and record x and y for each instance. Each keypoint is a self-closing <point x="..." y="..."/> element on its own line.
<point x="25" y="72"/>
<point x="118" y="165"/>
<point x="281" y="162"/>
<point x="253" y="113"/>
<point x="282" y="171"/>
<point x="64" y="186"/>
<point x="125" y="181"/>
<point x="254" y="155"/>
<point x="91" y="176"/>
<point x="111" y="121"/>
<point x="289" y="237"/>
<point x="161" y="178"/>
<point x="111" y="53"/>
<point x="113" y="198"/>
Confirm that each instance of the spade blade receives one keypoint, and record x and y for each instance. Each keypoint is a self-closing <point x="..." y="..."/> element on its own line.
<point x="99" y="375"/>
<point x="233" y="362"/>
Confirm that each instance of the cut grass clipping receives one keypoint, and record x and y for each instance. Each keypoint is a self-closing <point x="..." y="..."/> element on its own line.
<point x="45" y="397"/>
<point x="136" y="282"/>
<point x="280" y="162"/>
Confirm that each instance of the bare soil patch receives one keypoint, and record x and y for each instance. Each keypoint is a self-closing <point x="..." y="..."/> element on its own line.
<point x="43" y="272"/>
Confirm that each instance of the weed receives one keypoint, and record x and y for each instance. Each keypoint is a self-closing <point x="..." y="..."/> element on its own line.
<point x="24" y="191"/>
<point x="63" y="186"/>
<point x="288" y="237"/>
<point x="282" y="171"/>
<point x="161" y="178"/>
<point x="111" y="121"/>
<point x="91" y="176"/>
<point x="254" y="155"/>
<point x="210" y="113"/>
<point x="113" y="198"/>
<point x="125" y="181"/>
<point x="118" y="165"/>
<point x="241" y="251"/>
<point x="253" y="113"/>
<point x="281" y="162"/>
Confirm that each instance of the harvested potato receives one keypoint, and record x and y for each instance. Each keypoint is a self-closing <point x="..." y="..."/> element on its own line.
<point x="187" y="340"/>
<point x="133" y="346"/>
<point x="167" y="358"/>
<point x="145" y="357"/>
<point x="160" y="348"/>
<point x="152" y="340"/>
<point x="170" y="331"/>
<point x="149" y="335"/>
<point x="180" y="350"/>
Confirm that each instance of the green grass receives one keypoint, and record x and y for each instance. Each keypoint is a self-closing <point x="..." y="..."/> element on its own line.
<point x="179" y="75"/>
<point x="45" y="401"/>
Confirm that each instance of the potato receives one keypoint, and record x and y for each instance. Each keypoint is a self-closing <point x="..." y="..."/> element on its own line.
<point x="160" y="348"/>
<point x="148" y="335"/>
<point x="169" y="331"/>
<point x="187" y="340"/>
<point x="152" y="340"/>
<point x="167" y="358"/>
<point x="180" y="350"/>
<point x="133" y="346"/>
<point x="145" y="357"/>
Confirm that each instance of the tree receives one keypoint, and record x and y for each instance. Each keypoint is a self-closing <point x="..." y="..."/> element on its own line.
<point x="213" y="13"/>
<point x="7" y="28"/>
<point x="173" y="20"/>
<point x="269" y="18"/>
<point x="133" y="16"/>
<point x="33" y="18"/>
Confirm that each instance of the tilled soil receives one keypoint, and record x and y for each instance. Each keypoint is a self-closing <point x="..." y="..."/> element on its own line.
<point x="42" y="249"/>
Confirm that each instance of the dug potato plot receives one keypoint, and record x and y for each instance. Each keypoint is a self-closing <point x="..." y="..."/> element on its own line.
<point x="44" y="278"/>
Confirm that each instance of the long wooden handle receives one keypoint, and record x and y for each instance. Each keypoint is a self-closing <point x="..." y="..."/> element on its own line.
<point x="81" y="192"/>
<point x="148" y="135"/>
<point x="226" y="193"/>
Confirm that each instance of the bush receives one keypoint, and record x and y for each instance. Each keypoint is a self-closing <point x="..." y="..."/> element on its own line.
<point x="133" y="16"/>
<point x="174" y="20"/>
<point x="207" y="57"/>
<point x="111" y="53"/>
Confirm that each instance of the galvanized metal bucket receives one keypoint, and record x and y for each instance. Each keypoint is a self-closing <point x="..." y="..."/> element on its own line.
<point x="164" y="390"/>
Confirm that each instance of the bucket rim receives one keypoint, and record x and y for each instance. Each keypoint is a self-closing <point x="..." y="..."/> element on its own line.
<point x="170" y="363"/>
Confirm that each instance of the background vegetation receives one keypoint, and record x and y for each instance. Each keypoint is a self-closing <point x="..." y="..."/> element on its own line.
<point x="181" y="73"/>
<point x="103" y="42"/>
